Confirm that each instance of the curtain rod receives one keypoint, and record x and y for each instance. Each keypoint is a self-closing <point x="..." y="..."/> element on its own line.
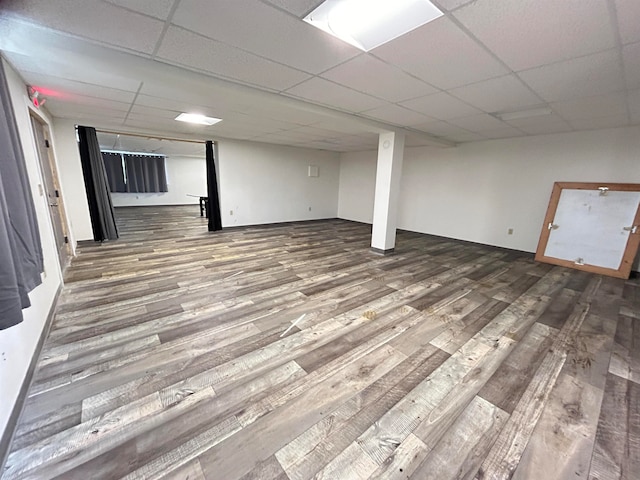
<point x="124" y="152"/>
<point x="151" y="137"/>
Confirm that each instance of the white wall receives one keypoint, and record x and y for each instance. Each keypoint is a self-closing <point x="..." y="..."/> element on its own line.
<point x="70" y="171"/>
<point x="264" y="183"/>
<point x="185" y="175"/>
<point x="259" y="182"/>
<point x="357" y="186"/>
<point x="18" y="343"/>
<point x="479" y="190"/>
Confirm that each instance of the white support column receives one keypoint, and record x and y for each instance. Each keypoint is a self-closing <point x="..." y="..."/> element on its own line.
<point x="385" y="208"/>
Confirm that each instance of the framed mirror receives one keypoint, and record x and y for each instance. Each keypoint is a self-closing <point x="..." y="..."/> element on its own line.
<point x="593" y="227"/>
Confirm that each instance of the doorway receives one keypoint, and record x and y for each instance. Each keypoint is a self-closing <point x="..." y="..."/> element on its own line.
<point x="51" y="186"/>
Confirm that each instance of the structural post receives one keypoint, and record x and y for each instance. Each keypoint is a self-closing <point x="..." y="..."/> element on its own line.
<point x="385" y="208"/>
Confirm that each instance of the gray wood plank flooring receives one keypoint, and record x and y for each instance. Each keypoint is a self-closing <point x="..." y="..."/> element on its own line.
<point x="292" y="352"/>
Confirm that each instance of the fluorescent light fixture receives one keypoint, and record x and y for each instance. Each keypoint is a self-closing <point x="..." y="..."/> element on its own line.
<point x="532" y="112"/>
<point x="367" y="24"/>
<point x="197" y="118"/>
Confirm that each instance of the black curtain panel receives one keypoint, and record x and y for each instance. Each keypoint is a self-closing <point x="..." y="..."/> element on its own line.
<point x="21" y="259"/>
<point x="95" y="182"/>
<point x="215" y="219"/>
<point x="145" y="173"/>
<point x="115" y="172"/>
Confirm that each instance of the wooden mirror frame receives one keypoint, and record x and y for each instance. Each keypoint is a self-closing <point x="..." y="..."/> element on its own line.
<point x="632" y="244"/>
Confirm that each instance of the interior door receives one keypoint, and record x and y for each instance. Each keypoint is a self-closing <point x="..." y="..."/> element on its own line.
<point x="592" y="227"/>
<point x="51" y="187"/>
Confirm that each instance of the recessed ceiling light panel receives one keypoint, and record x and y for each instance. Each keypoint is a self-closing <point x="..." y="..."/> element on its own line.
<point x="197" y="119"/>
<point x="367" y="24"/>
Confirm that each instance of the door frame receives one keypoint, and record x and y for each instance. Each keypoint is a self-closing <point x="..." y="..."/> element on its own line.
<point x="53" y="167"/>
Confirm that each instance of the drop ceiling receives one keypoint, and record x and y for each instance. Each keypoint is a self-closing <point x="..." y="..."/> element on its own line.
<point x="134" y="65"/>
<point x="142" y="144"/>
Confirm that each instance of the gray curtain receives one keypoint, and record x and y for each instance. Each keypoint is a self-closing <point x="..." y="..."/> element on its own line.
<point x="115" y="173"/>
<point x="21" y="259"/>
<point x="95" y="183"/>
<point x="145" y="173"/>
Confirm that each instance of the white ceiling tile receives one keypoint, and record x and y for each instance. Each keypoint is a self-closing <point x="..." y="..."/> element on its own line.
<point x="289" y="114"/>
<point x="161" y="103"/>
<point x="595" y="74"/>
<point x="479" y="123"/>
<point x="99" y="82"/>
<point x="397" y="115"/>
<point x="264" y="123"/>
<point x="167" y="122"/>
<point x="613" y="121"/>
<point x="265" y="31"/>
<point x="498" y="94"/>
<point x="507" y="132"/>
<point x="91" y="102"/>
<point x="164" y="113"/>
<point x="338" y="125"/>
<point x="452" y="4"/>
<point x="530" y="33"/>
<point x="441" y="129"/>
<point x="142" y="124"/>
<point x="65" y="108"/>
<point x="193" y="90"/>
<point x="631" y="58"/>
<point x="414" y="141"/>
<point x="592" y="107"/>
<point x="166" y="117"/>
<point x="465" y="137"/>
<point x="72" y="68"/>
<point x="440" y="54"/>
<point x="381" y="80"/>
<point x="82" y="117"/>
<point x="441" y="106"/>
<point x="156" y="8"/>
<point x="310" y="133"/>
<point x="185" y="101"/>
<point x="540" y="124"/>
<point x="546" y="128"/>
<point x="51" y="86"/>
<point x="327" y="93"/>
<point x="298" y="8"/>
<point x="115" y="26"/>
<point x="182" y="47"/>
<point x="629" y="20"/>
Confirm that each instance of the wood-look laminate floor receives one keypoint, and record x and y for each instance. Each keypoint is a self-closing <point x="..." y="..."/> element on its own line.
<point x="293" y="352"/>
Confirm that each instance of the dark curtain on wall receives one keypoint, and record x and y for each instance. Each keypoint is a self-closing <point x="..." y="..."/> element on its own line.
<point x="95" y="182"/>
<point x="21" y="260"/>
<point x="215" y="220"/>
<point x="115" y="173"/>
<point x="145" y="173"/>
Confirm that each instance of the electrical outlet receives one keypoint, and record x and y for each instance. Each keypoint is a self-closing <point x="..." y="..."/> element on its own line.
<point x="230" y="212"/>
<point x="510" y="231"/>
<point x="309" y="208"/>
